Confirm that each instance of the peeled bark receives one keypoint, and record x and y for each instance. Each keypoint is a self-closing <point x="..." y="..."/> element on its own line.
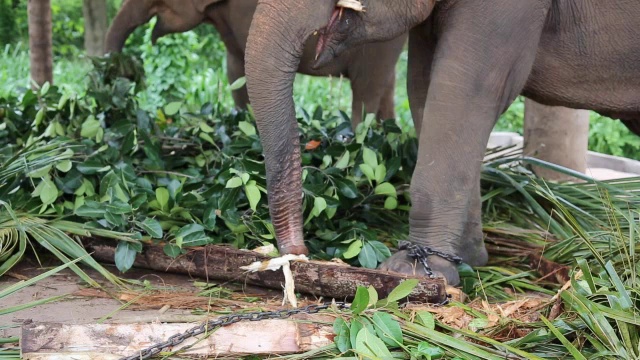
<point x="95" y="26"/>
<point x="557" y="135"/>
<point x="40" y="41"/>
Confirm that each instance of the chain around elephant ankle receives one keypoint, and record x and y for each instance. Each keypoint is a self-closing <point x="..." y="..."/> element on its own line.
<point x="420" y="253"/>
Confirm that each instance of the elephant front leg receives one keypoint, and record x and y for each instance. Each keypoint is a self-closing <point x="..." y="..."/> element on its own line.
<point x="469" y="86"/>
<point x="445" y="190"/>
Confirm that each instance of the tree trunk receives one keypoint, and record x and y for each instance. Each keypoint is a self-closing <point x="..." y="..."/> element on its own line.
<point x="95" y="26"/>
<point x="557" y="135"/>
<point x="40" y="41"/>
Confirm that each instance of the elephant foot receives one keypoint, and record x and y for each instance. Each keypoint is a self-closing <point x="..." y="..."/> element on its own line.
<point x="402" y="263"/>
<point x="295" y="249"/>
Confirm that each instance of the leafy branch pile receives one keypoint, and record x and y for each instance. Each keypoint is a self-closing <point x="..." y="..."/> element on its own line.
<point x="190" y="178"/>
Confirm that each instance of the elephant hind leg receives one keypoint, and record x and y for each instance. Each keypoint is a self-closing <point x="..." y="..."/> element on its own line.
<point x="235" y="70"/>
<point x="372" y="96"/>
<point x="387" y="110"/>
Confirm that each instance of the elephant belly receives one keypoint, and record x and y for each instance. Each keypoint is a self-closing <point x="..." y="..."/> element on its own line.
<point x="589" y="58"/>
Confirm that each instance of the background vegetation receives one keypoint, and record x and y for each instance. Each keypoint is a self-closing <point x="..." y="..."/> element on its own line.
<point x="189" y="67"/>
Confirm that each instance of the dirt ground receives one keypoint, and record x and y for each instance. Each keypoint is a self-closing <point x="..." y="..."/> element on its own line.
<point x="84" y="305"/>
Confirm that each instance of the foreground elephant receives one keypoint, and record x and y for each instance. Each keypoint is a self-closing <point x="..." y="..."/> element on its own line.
<point x="371" y="68"/>
<point x="468" y="60"/>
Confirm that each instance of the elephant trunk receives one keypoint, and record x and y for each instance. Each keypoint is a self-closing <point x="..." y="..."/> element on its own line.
<point x="274" y="47"/>
<point x="132" y="14"/>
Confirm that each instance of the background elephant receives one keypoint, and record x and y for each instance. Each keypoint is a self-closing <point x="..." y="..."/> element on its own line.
<point x="468" y="60"/>
<point x="371" y="68"/>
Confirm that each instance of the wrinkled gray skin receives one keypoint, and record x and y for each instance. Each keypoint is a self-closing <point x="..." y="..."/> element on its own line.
<point x="371" y="68"/>
<point x="468" y="60"/>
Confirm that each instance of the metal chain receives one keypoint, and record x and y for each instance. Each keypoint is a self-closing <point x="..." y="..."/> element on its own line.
<point x="420" y="253"/>
<point x="226" y="320"/>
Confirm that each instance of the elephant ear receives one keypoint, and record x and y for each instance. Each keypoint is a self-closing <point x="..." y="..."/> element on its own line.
<point x="201" y="5"/>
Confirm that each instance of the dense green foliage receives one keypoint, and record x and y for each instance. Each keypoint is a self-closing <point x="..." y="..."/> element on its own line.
<point x="197" y="177"/>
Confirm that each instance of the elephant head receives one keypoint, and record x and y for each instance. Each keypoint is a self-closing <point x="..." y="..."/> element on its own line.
<point x="355" y="22"/>
<point x="173" y="16"/>
<point x="278" y="32"/>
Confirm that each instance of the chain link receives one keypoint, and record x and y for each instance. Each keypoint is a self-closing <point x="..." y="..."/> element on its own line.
<point x="420" y="253"/>
<point x="226" y="320"/>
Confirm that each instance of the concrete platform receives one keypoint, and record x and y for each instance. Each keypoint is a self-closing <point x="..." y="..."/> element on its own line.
<point x="599" y="166"/>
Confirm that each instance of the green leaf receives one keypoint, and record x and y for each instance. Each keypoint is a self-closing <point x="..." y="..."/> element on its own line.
<point x="205" y="128"/>
<point x="430" y="351"/>
<point x="253" y="195"/>
<point x="370" y="346"/>
<point x="89" y="211"/>
<point x="367" y="257"/>
<point x="39" y="173"/>
<point x="427" y="319"/>
<point x="172" y="108"/>
<point x="341" y="329"/>
<point x="172" y="250"/>
<point x="319" y="205"/>
<point x="191" y="235"/>
<point x="380" y="172"/>
<point x="402" y="290"/>
<point x="247" y="128"/>
<point x="118" y="207"/>
<point x="369" y="157"/>
<point x="360" y="301"/>
<point x="353" y="250"/>
<point x="343" y="162"/>
<point x="206" y="137"/>
<point x="373" y="295"/>
<point x="391" y="203"/>
<point x="48" y="192"/>
<point x="234" y="182"/>
<point x="64" y="165"/>
<point x="367" y="171"/>
<point x="90" y="127"/>
<point x="125" y="256"/>
<point x="347" y="188"/>
<point x="40" y="116"/>
<point x="162" y="196"/>
<point x="152" y="227"/>
<point x="388" y="329"/>
<point x="239" y="83"/>
<point x="385" y="189"/>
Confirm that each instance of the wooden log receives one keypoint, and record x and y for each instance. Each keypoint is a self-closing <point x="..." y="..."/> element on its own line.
<point x="52" y="341"/>
<point x="318" y="278"/>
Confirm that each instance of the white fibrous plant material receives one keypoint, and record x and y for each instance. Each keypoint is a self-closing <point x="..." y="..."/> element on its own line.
<point x="275" y="264"/>
<point x="351" y="4"/>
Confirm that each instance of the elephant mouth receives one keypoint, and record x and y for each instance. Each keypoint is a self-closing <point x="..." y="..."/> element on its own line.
<point x="332" y="33"/>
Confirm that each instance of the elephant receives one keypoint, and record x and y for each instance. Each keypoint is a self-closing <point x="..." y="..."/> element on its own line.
<point x="370" y="68"/>
<point x="468" y="61"/>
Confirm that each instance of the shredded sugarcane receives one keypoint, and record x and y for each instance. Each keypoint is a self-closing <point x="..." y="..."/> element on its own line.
<point x="275" y="264"/>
